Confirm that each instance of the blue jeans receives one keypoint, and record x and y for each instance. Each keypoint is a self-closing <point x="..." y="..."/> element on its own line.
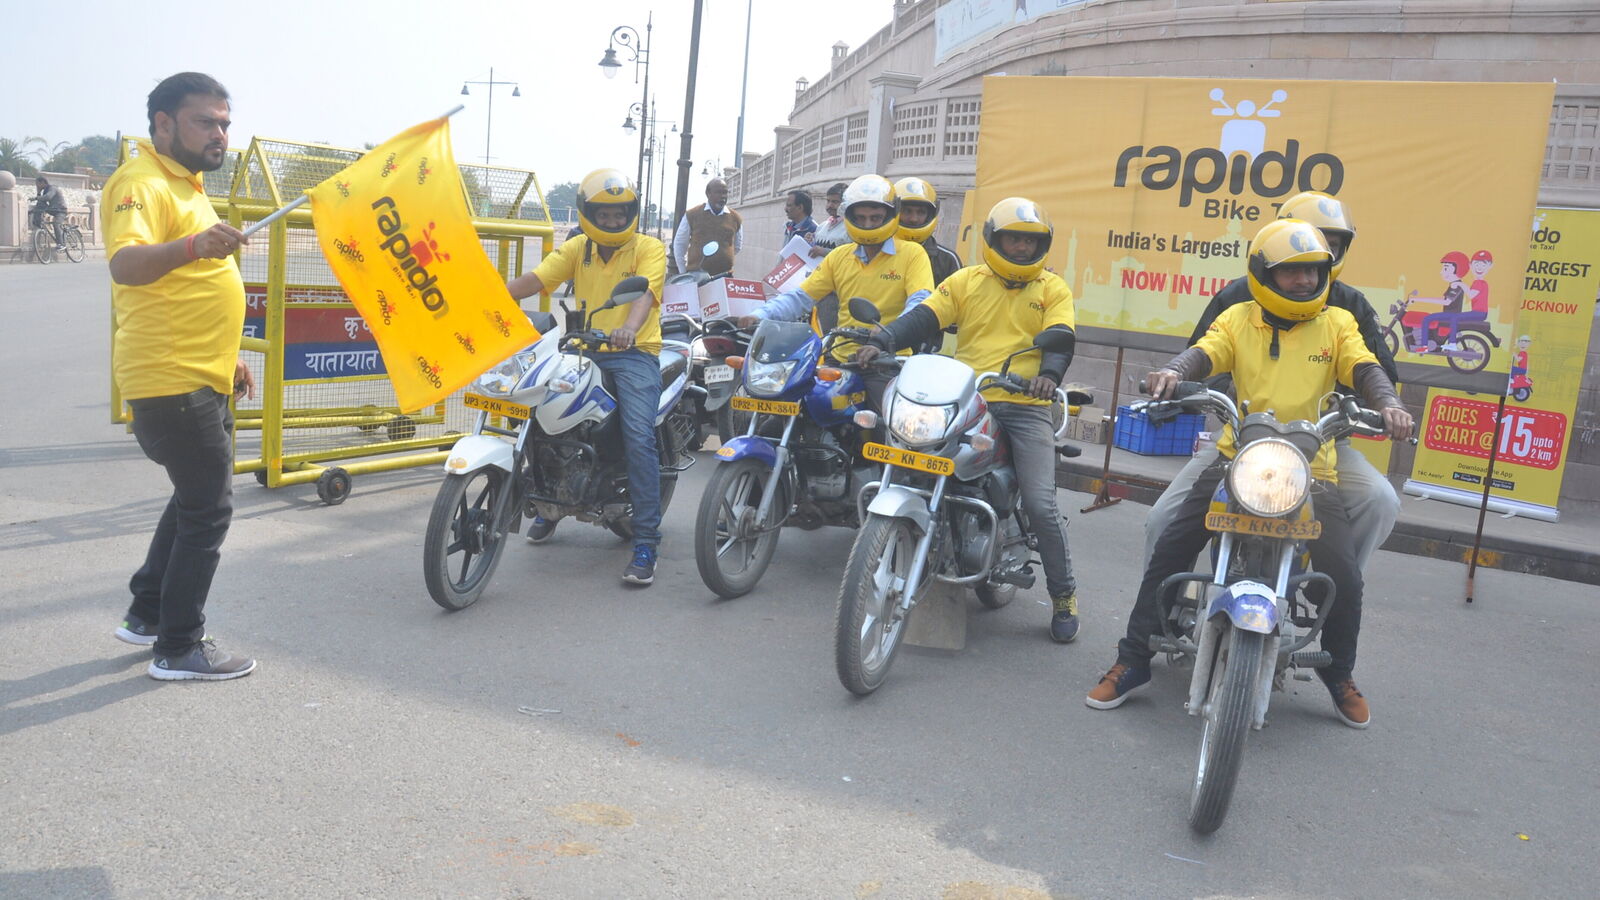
<point x="191" y="436"/>
<point x="636" y="376"/>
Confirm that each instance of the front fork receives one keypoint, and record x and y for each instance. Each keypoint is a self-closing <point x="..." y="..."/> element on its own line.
<point x="780" y="465"/>
<point x="1213" y="630"/>
<point x="919" y="560"/>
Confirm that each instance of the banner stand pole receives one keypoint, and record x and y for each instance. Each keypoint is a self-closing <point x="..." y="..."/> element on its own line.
<point x="303" y="199"/>
<point x="1103" y="498"/>
<point x="1488" y="482"/>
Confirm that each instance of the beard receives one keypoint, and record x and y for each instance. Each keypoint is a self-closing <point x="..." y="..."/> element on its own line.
<point x="195" y="161"/>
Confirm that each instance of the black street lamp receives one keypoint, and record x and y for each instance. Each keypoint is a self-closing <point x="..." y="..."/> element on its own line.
<point x="627" y="37"/>
<point x="685" y="146"/>
<point x="516" y="91"/>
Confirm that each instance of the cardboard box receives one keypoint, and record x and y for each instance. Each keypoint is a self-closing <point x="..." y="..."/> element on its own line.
<point x="681" y="297"/>
<point x="731" y="298"/>
<point x="795" y="262"/>
<point x="1089" y="426"/>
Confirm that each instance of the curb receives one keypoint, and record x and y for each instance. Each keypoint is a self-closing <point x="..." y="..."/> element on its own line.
<point x="1415" y="538"/>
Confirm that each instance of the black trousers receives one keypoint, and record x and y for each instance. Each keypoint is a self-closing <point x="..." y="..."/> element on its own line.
<point x="191" y="436"/>
<point x="1334" y="553"/>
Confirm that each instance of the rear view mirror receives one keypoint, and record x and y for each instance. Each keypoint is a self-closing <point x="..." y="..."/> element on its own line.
<point x="627" y="291"/>
<point x="710" y="249"/>
<point x="862" y="310"/>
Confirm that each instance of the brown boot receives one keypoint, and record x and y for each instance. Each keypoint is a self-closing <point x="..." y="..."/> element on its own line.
<point x="1349" y="704"/>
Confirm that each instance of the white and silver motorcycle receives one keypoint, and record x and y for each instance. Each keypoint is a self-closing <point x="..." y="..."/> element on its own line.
<point x="947" y="507"/>
<point x="547" y="441"/>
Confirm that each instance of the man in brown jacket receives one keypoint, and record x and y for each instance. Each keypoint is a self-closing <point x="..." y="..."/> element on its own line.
<point x="712" y="223"/>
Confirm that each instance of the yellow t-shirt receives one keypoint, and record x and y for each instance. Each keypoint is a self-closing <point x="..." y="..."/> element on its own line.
<point x="1312" y="356"/>
<point x="594" y="278"/>
<point x="897" y="271"/>
<point x="996" y="322"/>
<point x="180" y="332"/>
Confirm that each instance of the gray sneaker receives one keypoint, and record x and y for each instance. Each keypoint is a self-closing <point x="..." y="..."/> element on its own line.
<point x="204" y="662"/>
<point x="135" y="630"/>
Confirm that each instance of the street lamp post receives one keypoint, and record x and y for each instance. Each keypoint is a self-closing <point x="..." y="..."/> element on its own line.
<point x="654" y="145"/>
<point x="639" y="54"/>
<point x="516" y="91"/>
<point x="686" y="144"/>
<point x="744" y="84"/>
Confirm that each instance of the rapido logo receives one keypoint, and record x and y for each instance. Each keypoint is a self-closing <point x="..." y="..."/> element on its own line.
<point x="1240" y="160"/>
<point x="413" y="257"/>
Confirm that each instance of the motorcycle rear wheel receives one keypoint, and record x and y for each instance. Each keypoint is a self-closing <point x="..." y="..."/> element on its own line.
<point x="1474" y="343"/>
<point x="869" y="622"/>
<point x="995" y="596"/>
<point x="1229" y="709"/>
<point x="623" y="528"/>
<point x="463" y="544"/>
<point x="732" y="495"/>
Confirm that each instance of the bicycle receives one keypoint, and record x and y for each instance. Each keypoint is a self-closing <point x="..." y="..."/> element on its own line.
<point x="44" y="240"/>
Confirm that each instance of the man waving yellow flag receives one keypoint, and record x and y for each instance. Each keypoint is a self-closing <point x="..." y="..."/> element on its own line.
<point x="395" y="228"/>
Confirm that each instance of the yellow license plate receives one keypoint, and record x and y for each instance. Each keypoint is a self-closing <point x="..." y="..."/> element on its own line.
<point x="771" y="407"/>
<point x="909" y="459"/>
<point x="496" y="407"/>
<point x="1256" y="525"/>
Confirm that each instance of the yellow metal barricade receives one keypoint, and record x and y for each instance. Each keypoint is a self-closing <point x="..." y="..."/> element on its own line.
<point x="321" y="395"/>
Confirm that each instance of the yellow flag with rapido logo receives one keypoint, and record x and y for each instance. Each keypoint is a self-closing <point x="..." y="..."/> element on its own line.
<point x="396" y="230"/>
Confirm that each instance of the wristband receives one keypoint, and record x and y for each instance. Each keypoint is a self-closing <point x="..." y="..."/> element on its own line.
<point x="188" y="247"/>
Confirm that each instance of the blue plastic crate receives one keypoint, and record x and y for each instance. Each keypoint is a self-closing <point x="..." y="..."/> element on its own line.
<point x="1174" y="437"/>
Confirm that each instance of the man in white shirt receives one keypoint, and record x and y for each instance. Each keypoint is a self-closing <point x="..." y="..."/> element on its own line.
<point x="712" y="223"/>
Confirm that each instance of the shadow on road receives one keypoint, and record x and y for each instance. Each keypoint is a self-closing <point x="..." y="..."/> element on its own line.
<point x="63" y="678"/>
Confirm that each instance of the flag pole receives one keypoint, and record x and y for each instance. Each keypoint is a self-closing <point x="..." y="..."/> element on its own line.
<point x="305" y="198"/>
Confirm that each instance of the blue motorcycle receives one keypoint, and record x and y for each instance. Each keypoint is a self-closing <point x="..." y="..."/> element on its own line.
<point x="796" y="463"/>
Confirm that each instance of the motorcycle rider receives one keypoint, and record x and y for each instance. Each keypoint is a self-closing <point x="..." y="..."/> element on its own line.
<point x="1285" y="350"/>
<point x="894" y="275"/>
<point x="609" y="250"/>
<point x="1369" y="498"/>
<point x="919" y="216"/>
<point x="1000" y="307"/>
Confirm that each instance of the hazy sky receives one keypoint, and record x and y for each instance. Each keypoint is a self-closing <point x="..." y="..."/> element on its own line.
<point x="345" y="72"/>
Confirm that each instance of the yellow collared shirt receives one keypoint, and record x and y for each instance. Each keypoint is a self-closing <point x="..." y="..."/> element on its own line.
<point x="897" y="271"/>
<point x="996" y="322"/>
<point x="1312" y="357"/>
<point x="594" y="279"/>
<point x="181" y="331"/>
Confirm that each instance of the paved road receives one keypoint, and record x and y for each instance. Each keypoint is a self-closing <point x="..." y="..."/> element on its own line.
<point x="567" y="737"/>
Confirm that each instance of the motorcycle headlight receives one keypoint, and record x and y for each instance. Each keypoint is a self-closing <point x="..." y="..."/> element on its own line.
<point x="1269" y="478"/>
<point x="501" y="379"/>
<point x="917" y="424"/>
<point x="768" y="379"/>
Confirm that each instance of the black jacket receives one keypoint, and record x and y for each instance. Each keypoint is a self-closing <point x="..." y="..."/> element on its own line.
<point x="944" y="262"/>
<point x="1343" y="296"/>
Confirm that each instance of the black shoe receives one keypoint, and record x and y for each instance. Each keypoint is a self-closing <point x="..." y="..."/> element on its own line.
<point x="203" y="662"/>
<point x="540" y="529"/>
<point x="1064" y="621"/>
<point x="643" y="568"/>
<point x="135" y="630"/>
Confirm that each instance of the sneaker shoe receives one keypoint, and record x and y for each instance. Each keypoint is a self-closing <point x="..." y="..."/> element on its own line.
<point x="1116" y="685"/>
<point x="643" y="568"/>
<point x="135" y="630"/>
<point x="540" y="529"/>
<point x="204" y="662"/>
<point x="1349" y="703"/>
<point x="1064" y="624"/>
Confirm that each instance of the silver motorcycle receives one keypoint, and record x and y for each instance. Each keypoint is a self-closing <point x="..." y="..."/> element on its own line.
<point x="946" y="508"/>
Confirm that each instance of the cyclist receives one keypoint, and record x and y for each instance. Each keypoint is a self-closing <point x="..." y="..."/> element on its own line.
<point x="609" y="250"/>
<point x="49" y="201"/>
<point x="1285" y="350"/>
<point x="1000" y="307"/>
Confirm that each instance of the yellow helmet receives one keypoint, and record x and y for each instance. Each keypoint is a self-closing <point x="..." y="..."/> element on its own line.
<point x="1288" y="241"/>
<point x="1327" y="213"/>
<point x="607" y="187"/>
<point x="870" y="189"/>
<point x="1018" y="215"/>
<point x="916" y="190"/>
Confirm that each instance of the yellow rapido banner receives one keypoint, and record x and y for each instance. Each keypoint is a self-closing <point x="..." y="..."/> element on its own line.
<point x="395" y="228"/>
<point x="1157" y="185"/>
<point x="1550" y="345"/>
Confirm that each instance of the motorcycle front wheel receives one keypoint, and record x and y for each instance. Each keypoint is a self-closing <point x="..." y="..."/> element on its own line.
<point x="731" y="566"/>
<point x="1229" y="709"/>
<point x="463" y="544"/>
<point x="870" y="623"/>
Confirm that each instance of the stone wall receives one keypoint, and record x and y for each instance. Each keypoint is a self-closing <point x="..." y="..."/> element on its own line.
<point x="83" y="206"/>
